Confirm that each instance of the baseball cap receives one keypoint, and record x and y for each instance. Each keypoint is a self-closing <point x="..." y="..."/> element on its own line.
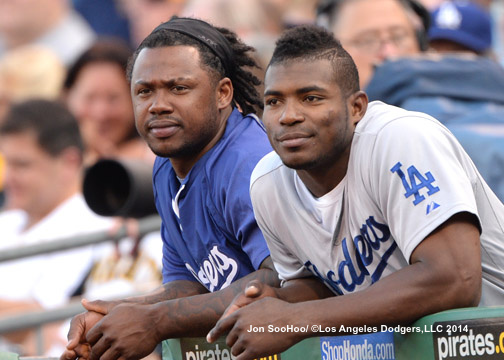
<point x="464" y="23"/>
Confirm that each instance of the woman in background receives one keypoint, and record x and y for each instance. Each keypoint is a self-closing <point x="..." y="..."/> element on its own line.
<point x="97" y="93"/>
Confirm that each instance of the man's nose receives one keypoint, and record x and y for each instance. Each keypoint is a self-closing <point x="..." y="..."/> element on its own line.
<point x="291" y="113"/>
<point x="388" y="49"/>
<point x="161" y="103"/>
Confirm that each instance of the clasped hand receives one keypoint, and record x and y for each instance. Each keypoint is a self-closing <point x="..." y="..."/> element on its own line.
<point x="248" y="319"/>
<point x="126" y="331"/>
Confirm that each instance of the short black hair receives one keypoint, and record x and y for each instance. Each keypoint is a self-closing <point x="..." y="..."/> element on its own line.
<point x="54" y="126"/>
<point x="310" y="42"/>
<point x="108" y="50"/>
<point x="244" y="81"/>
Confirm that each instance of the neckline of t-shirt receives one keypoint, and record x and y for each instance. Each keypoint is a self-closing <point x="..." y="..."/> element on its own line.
<point x="328" y="199"/>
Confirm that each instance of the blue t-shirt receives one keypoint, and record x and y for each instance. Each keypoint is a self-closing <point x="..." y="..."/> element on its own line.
<point x="209" y="231"/>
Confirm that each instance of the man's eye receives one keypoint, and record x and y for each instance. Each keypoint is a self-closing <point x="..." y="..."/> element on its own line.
<point x="179" y="88"/>
<point x="143" y="91"/>
<point x="312" y="98"/>
<point x="271" y="101"/>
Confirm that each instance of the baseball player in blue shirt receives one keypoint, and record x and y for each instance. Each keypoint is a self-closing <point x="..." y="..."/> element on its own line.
<point x="190" y="93"/>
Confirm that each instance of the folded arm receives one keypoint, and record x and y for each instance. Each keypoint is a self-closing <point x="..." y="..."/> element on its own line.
<point x="445" y="273"/>
<point x="132" y="328"/>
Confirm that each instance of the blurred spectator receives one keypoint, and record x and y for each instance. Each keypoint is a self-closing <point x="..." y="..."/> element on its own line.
<point x="374" y="30"/>
<point x="461" y="26"/>
<point x="257" y="23"/>
<point x="51" y="23"/>
<point x="104" y="17"/>
<point x="98" y="94"/>
<point x="457" y="85"/>
<point x="431" y="4"/>
<point x="145" y="15"/>
<point x="497" y="13"/>
<point x="300" y="12"/>
<point x="30" y="71"/>
<point x="485" y="4"/>
<point x="42" y="147"/>
<point x="2" y="171"/>
<point x="131" y="267"/>
<point x="26" y="72"/>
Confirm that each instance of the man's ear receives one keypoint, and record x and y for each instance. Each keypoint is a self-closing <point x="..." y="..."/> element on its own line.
<point x="72" y="157"/>
<point x="357" y="104"/>
<point x="224" y="93"/>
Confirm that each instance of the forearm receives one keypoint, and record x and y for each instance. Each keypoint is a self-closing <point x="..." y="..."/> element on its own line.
<point x="196" y="315"/>
<point x="397" y="299"/>
<point x="304" y="289"/>
<point x="445" y="273"/>
<point x="172" y="290"/>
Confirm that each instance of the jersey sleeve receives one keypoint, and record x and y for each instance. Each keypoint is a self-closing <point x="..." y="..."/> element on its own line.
<point x="423" y="178"/>
<point x="173" y="267"/>
<point x="287" y="265"/>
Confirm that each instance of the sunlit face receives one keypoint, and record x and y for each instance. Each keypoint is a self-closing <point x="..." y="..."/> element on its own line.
<point x="306" y="115"/>
<point x="175" y="102"/>
<point x="31" y="175"/>
<point x="374" y="30"/>
<point x="100" y="100"/>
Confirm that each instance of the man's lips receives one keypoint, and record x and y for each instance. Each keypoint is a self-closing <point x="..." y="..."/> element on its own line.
<point x="291" y="140"/>
<point x="163" y="128"/>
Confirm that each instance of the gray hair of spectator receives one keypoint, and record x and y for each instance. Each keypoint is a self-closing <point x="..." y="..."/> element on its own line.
<point x="54" y="126"/>
<point x="328" y="12"/>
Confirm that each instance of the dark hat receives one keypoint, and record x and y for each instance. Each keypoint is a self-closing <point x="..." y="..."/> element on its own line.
<point x="464" y="23"/>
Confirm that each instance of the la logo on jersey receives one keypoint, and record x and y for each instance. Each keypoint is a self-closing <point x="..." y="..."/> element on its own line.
<point x="417" y="182"/>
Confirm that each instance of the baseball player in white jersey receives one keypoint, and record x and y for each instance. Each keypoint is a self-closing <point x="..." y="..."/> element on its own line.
<point x="381" y="204"/>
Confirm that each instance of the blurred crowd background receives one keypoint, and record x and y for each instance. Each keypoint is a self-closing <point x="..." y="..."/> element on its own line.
<point x="62" y="67"/>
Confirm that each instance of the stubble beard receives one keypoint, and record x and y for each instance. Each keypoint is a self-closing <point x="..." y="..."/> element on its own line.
<point x="191" y="147"/>
<point x="340" y="149"/>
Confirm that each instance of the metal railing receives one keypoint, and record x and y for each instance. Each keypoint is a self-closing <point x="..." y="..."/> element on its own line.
<point x="36" y="319"/>
<point x="146" y="225"/>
